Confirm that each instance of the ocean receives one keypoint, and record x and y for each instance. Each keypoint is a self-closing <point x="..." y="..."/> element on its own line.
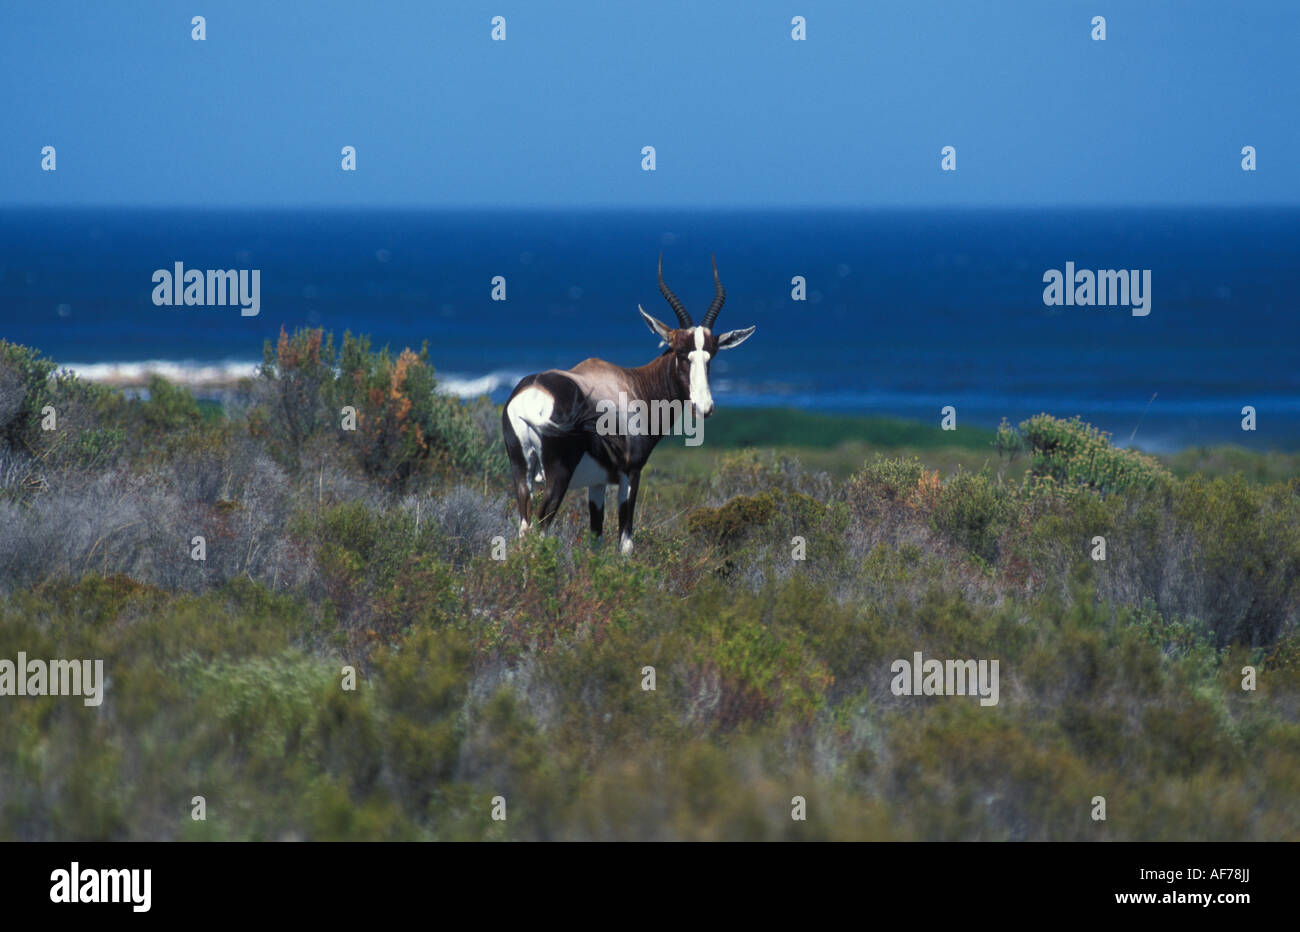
<point x="906" y="311"/>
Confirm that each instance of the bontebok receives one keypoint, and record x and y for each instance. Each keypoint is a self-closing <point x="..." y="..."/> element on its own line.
<point x="560" y="431"/>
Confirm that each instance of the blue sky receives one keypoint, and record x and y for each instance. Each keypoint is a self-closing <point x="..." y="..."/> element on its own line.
<point x="739" y="113"/>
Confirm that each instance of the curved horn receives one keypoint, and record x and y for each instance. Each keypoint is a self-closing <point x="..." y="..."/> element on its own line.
<point x="719" y="295"/>
<point x="679" y="309"/>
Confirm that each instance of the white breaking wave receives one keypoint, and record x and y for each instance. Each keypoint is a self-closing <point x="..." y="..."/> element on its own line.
<point x="471" y="386"/>
<point x="195" y="374"/>
<point x="225" y="374"/>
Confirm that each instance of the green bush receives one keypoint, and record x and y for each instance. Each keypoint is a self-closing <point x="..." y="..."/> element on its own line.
<point x="973" y="510"/>
<point x="1245" y="564"/>
<point x="169" y="407"/>
<point x="24" y="386"/>
<point x="89" y="419"/>
<point x="1072" y="453"/>
<point x="893" y="479"/>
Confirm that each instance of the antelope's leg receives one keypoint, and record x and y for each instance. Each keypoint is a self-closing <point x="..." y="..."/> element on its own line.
<point x="596" y="509"/>
<point x="558" y="475"/>
<point x="525" y="500"/>
<point x="627" y="489"/>
<point x="518" y="471"/>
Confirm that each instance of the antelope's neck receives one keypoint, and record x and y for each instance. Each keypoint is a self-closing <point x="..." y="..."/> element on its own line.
<point x="656" y="381"/>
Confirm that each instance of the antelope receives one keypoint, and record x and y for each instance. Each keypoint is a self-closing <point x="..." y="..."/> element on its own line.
<point x="556" y="438"/>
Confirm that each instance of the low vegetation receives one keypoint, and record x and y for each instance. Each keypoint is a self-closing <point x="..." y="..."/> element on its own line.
<point x="766" y="598"/>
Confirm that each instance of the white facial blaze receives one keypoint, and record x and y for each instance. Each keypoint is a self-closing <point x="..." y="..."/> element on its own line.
<point x="700" y="395"/>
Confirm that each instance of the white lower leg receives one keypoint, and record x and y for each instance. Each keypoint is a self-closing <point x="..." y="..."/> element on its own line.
<point x="625" y="537"/>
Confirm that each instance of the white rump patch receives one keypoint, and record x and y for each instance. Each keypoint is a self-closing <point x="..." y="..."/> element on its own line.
<point x="529" y="410"/>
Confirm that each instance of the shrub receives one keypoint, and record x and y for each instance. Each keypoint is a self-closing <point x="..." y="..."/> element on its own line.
<point x="88" y="417"/>
<point x="1243" y="574"/>
<point x="169" y="407"/>
<point x="972" y="511"/>
<point x="421" y="688"/>
<point x="403" y="424"/>
<point x="893" y="479"/>
<point x="296" y="391"/>
<point x="1072" y="453"/>
<point x="24" y="384"/>
<point x="459" y="522"/>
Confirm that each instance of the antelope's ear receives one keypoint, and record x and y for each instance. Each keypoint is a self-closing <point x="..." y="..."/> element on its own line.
<point x="658" y="327"/>
<point x="733" y="338"/>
